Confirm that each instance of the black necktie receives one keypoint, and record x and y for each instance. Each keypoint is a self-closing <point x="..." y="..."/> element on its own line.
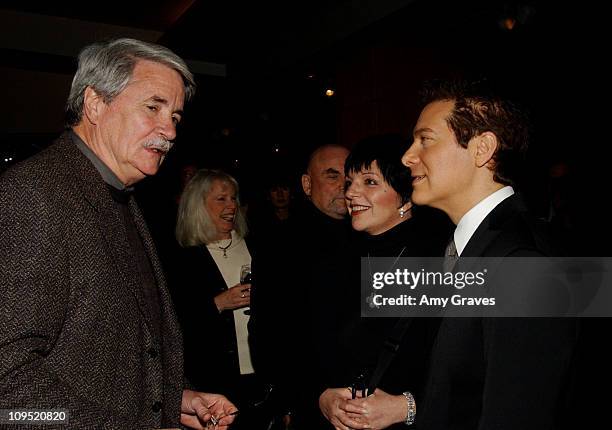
<point x="450" y="256"/>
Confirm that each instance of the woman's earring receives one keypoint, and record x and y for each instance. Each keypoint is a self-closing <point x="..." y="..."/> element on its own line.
<point x="401" y="213"/>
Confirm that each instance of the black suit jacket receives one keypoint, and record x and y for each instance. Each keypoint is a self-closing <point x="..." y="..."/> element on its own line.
<point x="299" y="300"/>
<point x="75" y="331"/>
<point x="499" y="373"/>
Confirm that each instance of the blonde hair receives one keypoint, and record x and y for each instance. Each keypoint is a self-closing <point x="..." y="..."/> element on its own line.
<point x="194" y="225"/>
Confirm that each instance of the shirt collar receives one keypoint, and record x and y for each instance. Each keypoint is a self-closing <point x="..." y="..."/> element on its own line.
<point x="107" y="174"/>
<point x="471" y="220"/>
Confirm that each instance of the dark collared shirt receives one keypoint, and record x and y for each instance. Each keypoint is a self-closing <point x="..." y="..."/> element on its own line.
<point x="107" y="174"/>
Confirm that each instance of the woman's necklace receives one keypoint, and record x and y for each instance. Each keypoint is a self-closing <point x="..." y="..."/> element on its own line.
<point x="224" y="248"/>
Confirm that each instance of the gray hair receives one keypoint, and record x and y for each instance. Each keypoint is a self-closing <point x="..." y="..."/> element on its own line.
<point x="107" y="68"/>
<point x="194" y="225"/>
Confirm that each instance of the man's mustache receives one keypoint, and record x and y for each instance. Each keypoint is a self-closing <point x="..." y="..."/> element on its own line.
<point x="159" y="143"/>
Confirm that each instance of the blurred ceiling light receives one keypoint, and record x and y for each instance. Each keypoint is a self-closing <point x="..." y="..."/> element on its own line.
<point x="515" y="16"/>
<point x="329" y="92"/>
<point x="509" y="23"/>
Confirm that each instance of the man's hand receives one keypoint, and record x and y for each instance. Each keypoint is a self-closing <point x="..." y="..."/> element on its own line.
<point x="197" y="409"/>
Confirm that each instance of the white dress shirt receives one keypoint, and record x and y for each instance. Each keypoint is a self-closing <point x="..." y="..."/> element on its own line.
<point x="473" y="218"/>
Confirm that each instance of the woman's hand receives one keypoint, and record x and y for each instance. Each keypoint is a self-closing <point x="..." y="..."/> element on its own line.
<point x="332" y="403"/>
<point x="380" y="410"/>
<point x="236" y="297"/>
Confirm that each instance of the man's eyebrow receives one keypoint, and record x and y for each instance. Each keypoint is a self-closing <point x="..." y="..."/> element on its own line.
<point x="422" y="130"/>
<point x="163" y="101"/>
<point x="331" y="171"/>
<point x="159" y="99"/>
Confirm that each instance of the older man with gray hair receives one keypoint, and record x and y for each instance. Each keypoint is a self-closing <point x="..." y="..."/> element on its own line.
<point x="87" y="325"/>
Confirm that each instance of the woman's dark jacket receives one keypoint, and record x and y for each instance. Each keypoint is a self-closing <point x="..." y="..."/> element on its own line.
<point x="366" y="336"/>
<point x="209" y="336"/>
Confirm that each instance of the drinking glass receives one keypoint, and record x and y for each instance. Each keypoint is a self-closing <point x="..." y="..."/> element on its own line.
<point x="245" y="278"/>
<point x="245" y="274"/>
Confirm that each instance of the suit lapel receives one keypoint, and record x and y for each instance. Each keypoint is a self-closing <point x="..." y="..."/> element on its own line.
<point x="160" y="280"/>
<point x="94" y="191"/>
<point x="171" y="341"/>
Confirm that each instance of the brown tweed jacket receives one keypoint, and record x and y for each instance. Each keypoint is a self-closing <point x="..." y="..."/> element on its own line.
<point x="74" y="329"/>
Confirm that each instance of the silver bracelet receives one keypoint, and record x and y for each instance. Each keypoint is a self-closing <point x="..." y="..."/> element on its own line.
<point x="411" y="408"/>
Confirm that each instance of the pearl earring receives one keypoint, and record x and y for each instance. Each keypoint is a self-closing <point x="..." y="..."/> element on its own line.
<point x="401" y="213"/>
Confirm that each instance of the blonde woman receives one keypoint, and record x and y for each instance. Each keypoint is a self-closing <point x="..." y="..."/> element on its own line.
<point x="211" y="302"/>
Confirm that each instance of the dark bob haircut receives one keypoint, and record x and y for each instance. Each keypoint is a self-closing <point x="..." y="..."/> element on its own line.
<point x="387" y="151"/>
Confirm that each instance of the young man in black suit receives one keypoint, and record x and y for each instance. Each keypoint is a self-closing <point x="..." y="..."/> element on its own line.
<point x="486" y="373"/>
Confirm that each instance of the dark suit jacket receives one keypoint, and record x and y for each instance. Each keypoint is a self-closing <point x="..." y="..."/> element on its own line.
<point x="499" y="373"/>
<point x="75" y="332"/>
<point x="298" y="302"/>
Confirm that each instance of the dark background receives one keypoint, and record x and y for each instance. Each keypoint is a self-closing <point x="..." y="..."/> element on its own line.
<point x="263" y="67"/>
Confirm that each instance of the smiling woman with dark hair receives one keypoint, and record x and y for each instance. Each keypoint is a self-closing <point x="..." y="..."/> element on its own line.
<point x="378" y="186"/>
<point x="378" y="190"/>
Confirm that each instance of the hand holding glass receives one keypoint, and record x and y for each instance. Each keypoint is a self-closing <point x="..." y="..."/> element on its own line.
<point x="245" y="278"/>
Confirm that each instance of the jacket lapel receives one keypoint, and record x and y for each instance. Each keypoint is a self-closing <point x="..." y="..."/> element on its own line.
<point x="160" y="279"/>
<point x="111" y="226"/>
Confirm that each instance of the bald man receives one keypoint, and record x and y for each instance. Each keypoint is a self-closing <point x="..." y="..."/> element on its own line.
<point x="323" y="182"/>
<point x="298" y="290"/>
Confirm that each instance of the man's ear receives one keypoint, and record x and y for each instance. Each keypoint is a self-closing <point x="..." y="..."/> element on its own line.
<point x="306" y="184"/>
<point x="93" y="105"/>
<point x="486" y="145"/>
